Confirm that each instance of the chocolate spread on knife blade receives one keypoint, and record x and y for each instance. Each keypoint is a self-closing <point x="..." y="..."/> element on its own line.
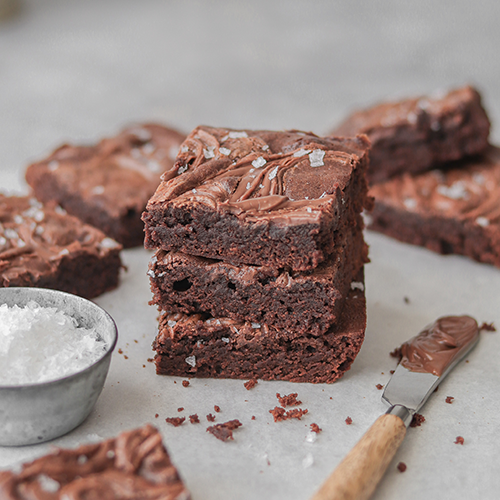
<point x="435" y="347"/>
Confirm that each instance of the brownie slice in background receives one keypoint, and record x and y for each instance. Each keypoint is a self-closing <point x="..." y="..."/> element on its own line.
<point x="257" y="197"/>
<point x="418" y="134"/>
<point x="301" y="302"/>
<point x="43" y="246"/>
<point x="199" y="346"/>
<point x="108" y="185"/>
<point x="451" y="210"/>
<point x="133" y="465"/>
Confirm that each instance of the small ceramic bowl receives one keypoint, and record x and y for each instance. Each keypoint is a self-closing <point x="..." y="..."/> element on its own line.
<point x="34" y="413"/>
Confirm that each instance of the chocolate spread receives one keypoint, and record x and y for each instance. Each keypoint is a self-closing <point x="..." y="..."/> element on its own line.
<point x="435" y="347"/>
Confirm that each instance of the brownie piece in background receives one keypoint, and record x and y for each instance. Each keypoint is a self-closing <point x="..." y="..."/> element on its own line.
<point x="256" y="197"/>
<point x="197" y="346"/>
<point x="108" y="184"/>
<point x="301" y="302"/>
<point x="418" y="134"/>
<point x="452" y="210"/>
<point x="43" y="246"/>
<point x="134" y="465"/>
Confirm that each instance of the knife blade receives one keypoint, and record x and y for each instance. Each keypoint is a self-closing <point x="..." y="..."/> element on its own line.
<point x="426" y="360"/>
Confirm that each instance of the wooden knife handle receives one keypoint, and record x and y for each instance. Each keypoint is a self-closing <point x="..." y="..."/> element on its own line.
<point x="358" y="474"/>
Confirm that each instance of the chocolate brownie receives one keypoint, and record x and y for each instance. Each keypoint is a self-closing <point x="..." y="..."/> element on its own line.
<point x="134" y="465"/>
<point x="452" y="210"/>
<point x="108" y="184"/>
<point x="42" y="246"/>
<point x="418" y="134"/>
<point x="197" y="346"/>
<point x="279" y="199"/>
<point x="302" y="302"/>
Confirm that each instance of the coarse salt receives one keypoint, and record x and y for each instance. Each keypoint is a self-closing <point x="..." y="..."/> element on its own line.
<point x="191" y="361"/>
<point x="316" y="158"/>
<point x="259" y="162"/>
<point x="38" y="344"/>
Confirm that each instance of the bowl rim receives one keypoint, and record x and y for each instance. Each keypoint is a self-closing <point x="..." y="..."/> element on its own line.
<point x="107" y="353"/>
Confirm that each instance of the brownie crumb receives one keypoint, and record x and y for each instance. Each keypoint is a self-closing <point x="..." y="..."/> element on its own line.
<point x="316" y="428"/>
<point x="290" y="400"/>
<point x="392" y="372"/>
<point x="396" y="353"/>
<point x="250" y="384"/>
<point x="156" y="415"/>
<point x="279" y="414"/>
<point x="194" y="419"/>
<point x="459" y="440"/>
<point x="379" y="387"/>
<point x="180" y="409"/>
<point x="407" y="300"/>
<point x="217" y="408"/>
<point x="253" y="417"/>
<point x="348" y="420"/>
<point x="175" y="421"/>
<point x="224" y="431"/>
<point x="489" y="327"/>
<point x="144" y="366"/>
<point x="185" y="383"/>
<point x="449" y="399"/>
<point x="150" y="360"/>
<point x="401" y="467"/>
<point x="210" y="417"/>
<point x="120" y="351"/>
<point x="125" y="356"/>
<point x="417" y="420"/>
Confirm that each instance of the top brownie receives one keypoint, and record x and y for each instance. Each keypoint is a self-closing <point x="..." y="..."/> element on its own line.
<point x="418" y="134"/>
<point x="259" y="197"/>
<point x="134" y="465"/>
<point x="108" y="184"/>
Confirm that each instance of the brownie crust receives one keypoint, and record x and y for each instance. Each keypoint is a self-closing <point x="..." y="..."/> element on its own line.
<point x="418" y="134"/>
<point x="301" y="302"/>
<point x="450" y="211"/>
<point x="256" y="197"/>
<point x="135" y="465"/>
<point x="42" y="246"/>
<point x="108" y="185"/>
<point x="196" y="346"/>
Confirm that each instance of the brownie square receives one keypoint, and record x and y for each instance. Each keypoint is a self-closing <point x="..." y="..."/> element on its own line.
<point x="197" y="346"/>
<point x="452" y="210"/>
<point x="134" y="465"/>
<point x="301" y="302"/>
<point x="258" y="197"/>
<point x="418" y="134"/>
<point x="42" y="246"/>
<point x="108" y="184"/>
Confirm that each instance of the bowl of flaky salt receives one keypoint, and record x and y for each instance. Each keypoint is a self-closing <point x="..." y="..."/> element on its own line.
<point x="55" y="350"/>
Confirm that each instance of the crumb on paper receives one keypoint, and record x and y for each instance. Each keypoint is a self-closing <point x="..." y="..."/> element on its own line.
<point x="488" y="327"/>
<point x="194" y="419"/>
<point x="250" y="384"/>
<point x="210" y="417"/>
<point x="253" y="417"/>
<point x="175" y="421"/>
<point x="156" y="415"/>
<point x="348" y="420"/>
<point x="315" y="428"/>
<point x="417" y="420"/>
<point x="180" y="409"/>
<point x="185" y="383"/>
<point x="224" y="431"/>
<point x="449" y="399"/>
<point x="407" y="301"/>
<point x="396" y="353"/>
<point x="379" y="387"/>
<point x="401" y="467"/>
<point x="459" y="440"/>
<point x="280" y="414"/>
<point x="290" y="400"/>
<point x="150" y="360"/>
<point x="217" y="409"/>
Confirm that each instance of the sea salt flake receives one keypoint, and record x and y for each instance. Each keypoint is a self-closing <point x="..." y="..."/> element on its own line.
<point x="316" y="158"/>
<point x="35" y="213"/>
<point x="11" y="234"/>
<point x="478" y="178"/>
<point x="154" y="166"/>
<point x="3" y="241"/>
<point x="209" y="152"/>
<point x="82" y="459"/>
<point x="64" y="251"/>
<point x="60" y="210"/>
<point x="151" y="273"/>
<point x="358" y="285"/>
<point x="39" y="230"/>
<point x="255" y="325"/>
<point x="108" y="243"/>
<point x="265" y="147"/>
<point x="141" y="133"/>
<point x="182" y="169"/>
<point x="273" y="173"/>
<point x="482" y="221"/>
<point x="412" y="118"/>
<point x="98" y="190"/>
<point x="308" y="461"/>
<point x="148" y="149"/>
<point x="191" y="361"/>
<point x="47" y="483"/>
<point x="184" y="149"/>
<point x="194" y="191"/>
<point x="237" y="135"/>
<point x="309" y="209"/>
<point x="225" y="339"/>
<point x="457" y="191"/>
<point x="224" y="151"/>
<point x="110" y="454"/>
<point x="311" y="437"/>
<point x="301" y="152"/>
<point x="171" y="323"/>
<point x="259" y="162"/>
<point x="410" y="203"/>
<point x="53" y="165"/>
<point x="248" y="186"/>
<point x="18" y="219"/>
<point x="323" y="195"/>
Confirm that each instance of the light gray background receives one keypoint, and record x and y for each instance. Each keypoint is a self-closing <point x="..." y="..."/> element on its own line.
<point x="76" y="71"/>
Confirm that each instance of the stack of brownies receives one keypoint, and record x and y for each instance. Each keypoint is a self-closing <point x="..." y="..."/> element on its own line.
<point x="258" y="270"/>
<point x="435" y="178"/>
